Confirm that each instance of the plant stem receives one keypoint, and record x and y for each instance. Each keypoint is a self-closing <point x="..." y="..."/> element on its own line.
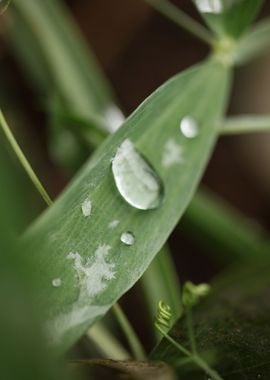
<point x="191" y="330"/>
<point x="194" y="357"/>
<point x="23" y="160"/>
<point x="182" y="19"/>
<point x="246" y="124"/>
<point x="106" y="342"/>
<point x="129" y="332"/>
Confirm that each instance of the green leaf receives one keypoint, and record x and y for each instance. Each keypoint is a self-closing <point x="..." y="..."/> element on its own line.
<point x="228" y="17"/>
<point x="160" y="282"/>
<point x="209" y="221"/>
<point x="65" y="243"/>
<point x="23" y="350"/>
<point x="231" y="326"/>
<point x="70" y="68"/>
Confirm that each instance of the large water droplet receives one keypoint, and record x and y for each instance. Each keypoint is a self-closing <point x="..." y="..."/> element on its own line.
<point x="189" y="127"/>
<point x="135" y="180"/>
<point x="210" y="6"/>
<point x="56" y="282"/>
<point x="127" y="238"/>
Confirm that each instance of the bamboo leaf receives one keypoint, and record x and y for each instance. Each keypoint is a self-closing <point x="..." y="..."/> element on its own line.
<point x="228" y="17"/>
<point x="97" y="258"/>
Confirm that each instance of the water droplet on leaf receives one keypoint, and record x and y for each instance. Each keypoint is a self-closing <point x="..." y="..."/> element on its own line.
<point x="189" y="127"/>
<point x="210" y="6"/>
<point x="127" y="238"/>
<point x="135" y="180"/>
<point x="56" y="282"/>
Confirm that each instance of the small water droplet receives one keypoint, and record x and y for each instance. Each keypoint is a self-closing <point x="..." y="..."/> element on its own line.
<point x="56" y="282"/>
<point x="189" y="127"/>
<point x="114" y="118"/>
<point x="210" y="6"/>
<point x="86" y="207"/>
<point x="127" y="238"/>
<point x="135" y="180"/>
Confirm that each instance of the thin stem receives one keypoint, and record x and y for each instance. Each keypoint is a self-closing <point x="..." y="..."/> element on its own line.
<point x="23" y="160"/>
<point x="194" y="357"/>
<point x="191" y="330"/>
<point x="182" y="19"/>
<point x="246" y="124"/>
<point x="107" y="344"/>
<point x="129" y="332"/>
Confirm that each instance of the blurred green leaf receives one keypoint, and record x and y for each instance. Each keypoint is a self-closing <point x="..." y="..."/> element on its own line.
<point x="246" y="124"/>
<point x="254" y="43"/>
<point x="231" y="325"/>
<point x="65" y="243"/>
<point x="228" y="17"/>
<point x="24" y="353"/>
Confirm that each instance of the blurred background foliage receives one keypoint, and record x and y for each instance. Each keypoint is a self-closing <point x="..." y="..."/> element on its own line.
<point x="138" y="50"/>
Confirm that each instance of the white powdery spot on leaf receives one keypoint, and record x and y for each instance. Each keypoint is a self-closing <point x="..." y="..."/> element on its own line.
<point x="86" y="207"/>
<point x="94" y="274"/>
<point x="172" y="154"/>
<point x="113" y="224"/>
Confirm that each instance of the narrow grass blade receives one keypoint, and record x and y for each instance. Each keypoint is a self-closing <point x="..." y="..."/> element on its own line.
<point x="67" y="244"/>
<point x="70" y="69"/>
<point x="186" y="22"/>
<point x="246" y="124"/>
<point x="228" y="17"/>
<point x="160" y="282"/>
<point x="225" y="233"/>
<point x="254" y="43"/>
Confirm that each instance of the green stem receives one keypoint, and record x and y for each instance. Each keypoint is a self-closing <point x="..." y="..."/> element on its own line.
<point x="191" y="330"/>
<point x="106" y="343"/>
<point x="129" y="332"/>
<point x="246" y="124"/>
<point x="23" y="160"/>
<point x="194" y="357"/>
<point x="183" y="20"/>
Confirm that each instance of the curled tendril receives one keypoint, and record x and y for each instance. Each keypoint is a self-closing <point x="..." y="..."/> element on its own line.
<point x="164" y="316"/>
<point x="3" y="10"/>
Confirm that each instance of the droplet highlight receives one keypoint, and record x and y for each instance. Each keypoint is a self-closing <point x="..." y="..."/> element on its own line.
<point x="136" y="181"/>
<point x="189" y="127"/>
<point x="56" y="282"/>
<point x="86" y="207"/>
<point x="127" y="238"/>
<point x="210" y="6"/>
